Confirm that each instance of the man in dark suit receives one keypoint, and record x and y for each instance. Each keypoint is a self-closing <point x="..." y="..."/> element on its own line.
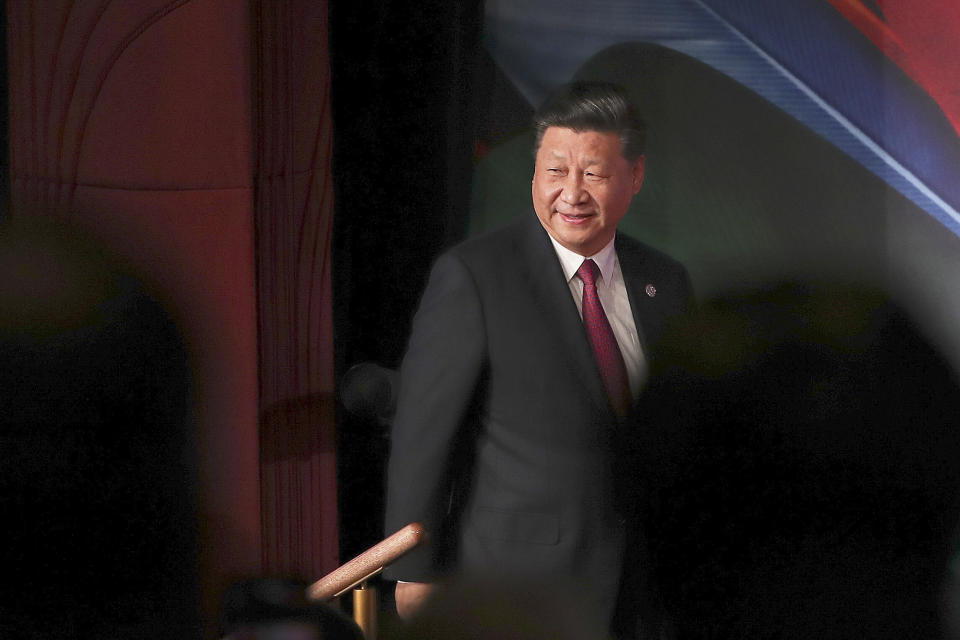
<point x="526" y="353"/>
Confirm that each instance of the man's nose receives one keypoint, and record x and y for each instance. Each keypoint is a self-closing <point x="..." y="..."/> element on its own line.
<point x="573" y="191"/>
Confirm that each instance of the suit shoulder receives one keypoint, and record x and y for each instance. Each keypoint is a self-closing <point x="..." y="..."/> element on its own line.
<point x="491" y="246"/>
<point x="648" y="254"/>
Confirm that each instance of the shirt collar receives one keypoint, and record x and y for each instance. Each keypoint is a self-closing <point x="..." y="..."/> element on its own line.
<point x="570" y="261"/>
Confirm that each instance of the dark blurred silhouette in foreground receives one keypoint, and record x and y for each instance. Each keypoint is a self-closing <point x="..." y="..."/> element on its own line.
<point x="98" y="473"/>
<point x="278" y="609"/>
<point x="480" y="608"/>
<point x="799" y="467"/>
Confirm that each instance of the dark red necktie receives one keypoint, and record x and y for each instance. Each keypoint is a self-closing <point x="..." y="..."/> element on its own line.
<point x="604" y="343"/>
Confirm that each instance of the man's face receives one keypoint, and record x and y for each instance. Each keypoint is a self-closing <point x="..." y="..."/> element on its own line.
<point x="582" y="186"/>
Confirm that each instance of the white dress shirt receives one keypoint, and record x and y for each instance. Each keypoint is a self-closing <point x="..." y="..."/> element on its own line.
<point x="612" y="291"/>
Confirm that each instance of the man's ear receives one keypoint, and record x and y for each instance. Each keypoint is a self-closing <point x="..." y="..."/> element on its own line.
<point x="639" y="170"/>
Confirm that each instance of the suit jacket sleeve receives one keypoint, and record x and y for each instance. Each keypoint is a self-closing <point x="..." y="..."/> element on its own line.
<point x="438" y="382"/>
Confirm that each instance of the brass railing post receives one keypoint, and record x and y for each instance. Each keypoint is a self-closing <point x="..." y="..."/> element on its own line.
<point x="365" y="609"/>
<point x="354" y="575"/>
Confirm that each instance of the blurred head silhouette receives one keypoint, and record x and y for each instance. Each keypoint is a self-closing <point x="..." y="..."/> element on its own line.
<point x="278" y="609"/>
<point x="97" y="475"/>
<point x="483" y="608"/>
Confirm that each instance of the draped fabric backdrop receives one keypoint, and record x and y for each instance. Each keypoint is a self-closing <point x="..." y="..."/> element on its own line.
<point x="294" y="223"/>
<point x="141" y="123"/>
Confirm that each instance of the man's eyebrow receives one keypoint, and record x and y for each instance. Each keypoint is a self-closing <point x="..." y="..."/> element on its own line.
<point x="594" y="162"/>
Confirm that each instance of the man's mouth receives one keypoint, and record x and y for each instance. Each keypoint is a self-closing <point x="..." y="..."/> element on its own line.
<point x="575" y="218"/>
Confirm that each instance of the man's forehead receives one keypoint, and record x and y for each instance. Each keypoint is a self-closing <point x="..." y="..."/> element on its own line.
<point x="587" y="145"/>
<point x="562" y="154"/>
<point x="556" y="131"/>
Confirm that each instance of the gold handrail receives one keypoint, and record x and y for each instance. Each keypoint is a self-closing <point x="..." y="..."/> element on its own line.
<point x="367" y="564"/>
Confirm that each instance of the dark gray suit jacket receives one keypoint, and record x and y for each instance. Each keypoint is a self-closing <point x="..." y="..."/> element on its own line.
<point x="502" y="441"/>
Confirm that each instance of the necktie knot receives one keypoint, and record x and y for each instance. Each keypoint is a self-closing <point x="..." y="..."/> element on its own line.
<point x="588" y="272"/>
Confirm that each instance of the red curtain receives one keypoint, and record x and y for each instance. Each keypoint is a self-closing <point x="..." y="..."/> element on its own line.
<point x="140" y="121"/>
<point x="294" y="223"/>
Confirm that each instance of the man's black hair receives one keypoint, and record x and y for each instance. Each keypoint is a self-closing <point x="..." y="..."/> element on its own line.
<point x="593" y="106"/>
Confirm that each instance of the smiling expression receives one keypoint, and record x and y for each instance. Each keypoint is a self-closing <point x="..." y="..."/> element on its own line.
<point x="582" y="187"/>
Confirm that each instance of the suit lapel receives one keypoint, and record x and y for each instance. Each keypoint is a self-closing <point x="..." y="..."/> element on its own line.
<point x="551" y="294"/>
<point x="632" y="267"/>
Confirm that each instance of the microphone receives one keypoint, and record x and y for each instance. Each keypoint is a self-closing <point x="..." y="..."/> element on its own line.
<point x="369" y="391"/>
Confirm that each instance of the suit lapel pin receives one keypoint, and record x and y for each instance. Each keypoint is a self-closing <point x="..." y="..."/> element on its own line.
<point x="651" y="290"/>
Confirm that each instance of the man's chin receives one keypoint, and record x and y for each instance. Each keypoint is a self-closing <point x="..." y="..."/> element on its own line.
<point x="579" y="243"/>
<point x="583" y="231"/>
